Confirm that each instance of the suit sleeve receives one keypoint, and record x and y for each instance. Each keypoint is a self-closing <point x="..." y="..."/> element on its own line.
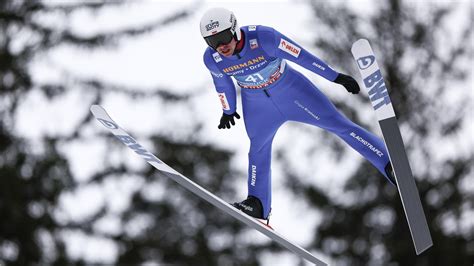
<point x="224" y="86"/>
<point x="278" y="45"/>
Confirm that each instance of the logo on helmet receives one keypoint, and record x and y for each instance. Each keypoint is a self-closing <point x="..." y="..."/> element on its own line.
<point x="212" y="25"/>
<point x="234" y="22"/>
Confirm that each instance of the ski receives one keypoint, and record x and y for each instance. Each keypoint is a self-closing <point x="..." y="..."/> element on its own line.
<point x="378" y="94"/>
<point x="164" y="170"/>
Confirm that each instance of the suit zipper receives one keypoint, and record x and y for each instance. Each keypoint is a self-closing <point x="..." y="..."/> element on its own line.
<point x="266" y="93"/>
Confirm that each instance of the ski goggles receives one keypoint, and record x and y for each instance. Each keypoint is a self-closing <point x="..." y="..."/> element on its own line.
<point x="223" y="37"/>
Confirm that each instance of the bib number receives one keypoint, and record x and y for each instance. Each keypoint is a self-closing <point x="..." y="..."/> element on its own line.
<point x="254" y="78"/>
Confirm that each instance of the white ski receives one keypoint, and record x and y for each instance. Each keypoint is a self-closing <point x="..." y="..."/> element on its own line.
<point x="375" y="86"/>
<point x="102" y="116"/>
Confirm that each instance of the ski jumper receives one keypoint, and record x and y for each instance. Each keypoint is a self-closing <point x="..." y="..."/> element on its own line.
<point x="273" y="93"/>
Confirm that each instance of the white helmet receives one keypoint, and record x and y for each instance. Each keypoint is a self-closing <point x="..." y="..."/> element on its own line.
<point x="219" y="26"/>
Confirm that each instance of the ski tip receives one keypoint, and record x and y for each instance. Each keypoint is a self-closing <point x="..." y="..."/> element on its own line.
<point x="360" y="43"/>
<point x="99" y="112"/>
<point x="95" y="108"/>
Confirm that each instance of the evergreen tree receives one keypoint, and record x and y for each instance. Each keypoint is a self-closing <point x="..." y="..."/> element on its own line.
<point x="425" y="64"/>
<point x="173" y="228"/>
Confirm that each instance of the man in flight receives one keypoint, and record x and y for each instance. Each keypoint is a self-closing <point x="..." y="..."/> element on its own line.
<point x="273" y="93"/>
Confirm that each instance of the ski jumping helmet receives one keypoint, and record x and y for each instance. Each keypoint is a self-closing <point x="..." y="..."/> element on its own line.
<point x="219" y="26"/>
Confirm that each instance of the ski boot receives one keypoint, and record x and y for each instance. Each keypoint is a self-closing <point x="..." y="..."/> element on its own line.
<point x="390" y="174"/>
<point x="253" y="207"/>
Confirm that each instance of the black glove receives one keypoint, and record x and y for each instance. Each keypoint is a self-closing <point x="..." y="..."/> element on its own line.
<point x="348" y="82"/>
<point x="226" y="120"/>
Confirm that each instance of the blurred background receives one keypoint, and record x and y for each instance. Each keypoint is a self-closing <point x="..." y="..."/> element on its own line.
<point x="72" y="194"/>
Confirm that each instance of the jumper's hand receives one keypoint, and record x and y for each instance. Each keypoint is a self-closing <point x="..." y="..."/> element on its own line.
<point x="348" y="82"/>
<point x="226" y="120"/>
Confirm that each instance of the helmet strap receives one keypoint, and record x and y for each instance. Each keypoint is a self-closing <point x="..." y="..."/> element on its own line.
<point x="240" y="43"/>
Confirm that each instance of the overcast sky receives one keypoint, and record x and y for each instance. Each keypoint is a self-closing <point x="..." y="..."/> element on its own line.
<point x="170" y="58"/>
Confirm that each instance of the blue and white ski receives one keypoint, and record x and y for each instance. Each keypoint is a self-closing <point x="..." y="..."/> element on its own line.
<point x="375" y="86"/>
<point x="164" y="170"/>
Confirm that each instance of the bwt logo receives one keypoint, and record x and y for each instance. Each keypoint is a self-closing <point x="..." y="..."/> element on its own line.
<point x="365" y="61"/>
<point x="108" y="124"/>
<point x="212" y="25"/>
<point x="138" y="149"/>
<point x="378" y="91"/>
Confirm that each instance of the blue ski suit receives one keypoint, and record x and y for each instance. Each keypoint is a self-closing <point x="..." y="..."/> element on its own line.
<point x="273" y="93"/>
